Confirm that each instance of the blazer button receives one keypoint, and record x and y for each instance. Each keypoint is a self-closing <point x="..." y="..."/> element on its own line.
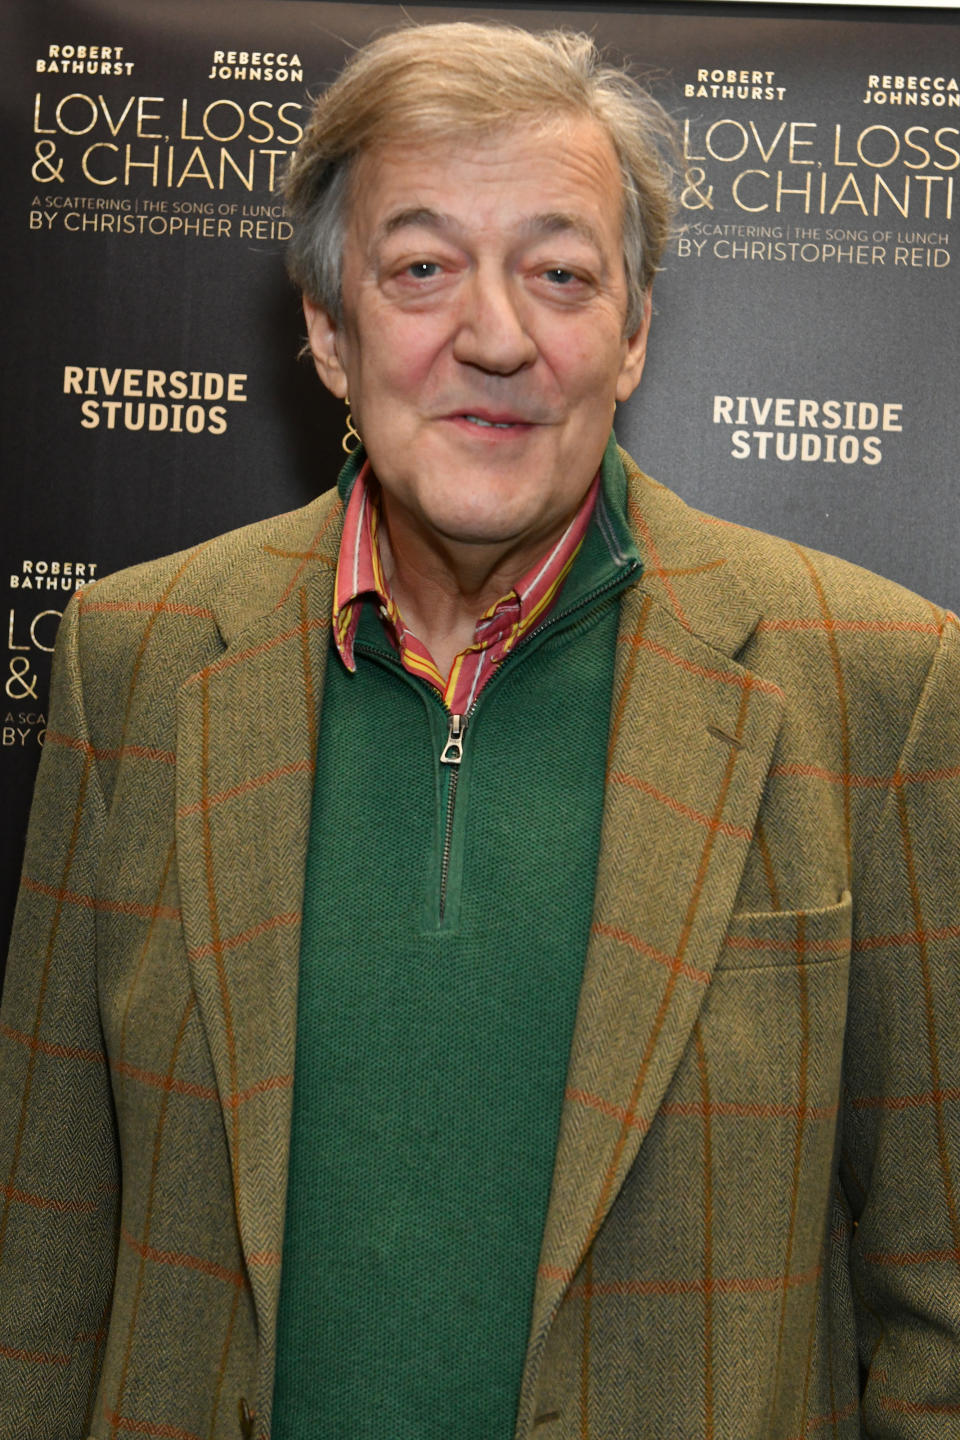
<point x="247" y="1420"/>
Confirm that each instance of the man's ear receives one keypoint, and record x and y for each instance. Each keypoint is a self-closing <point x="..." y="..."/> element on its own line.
<point x="635" y="353"/>
<point x="323" y="341"/>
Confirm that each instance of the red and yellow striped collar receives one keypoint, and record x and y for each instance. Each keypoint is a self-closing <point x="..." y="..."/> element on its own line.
<point x="501" y="627"/>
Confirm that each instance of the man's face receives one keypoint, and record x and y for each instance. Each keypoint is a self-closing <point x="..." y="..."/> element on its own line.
<point x="482" y="342"/>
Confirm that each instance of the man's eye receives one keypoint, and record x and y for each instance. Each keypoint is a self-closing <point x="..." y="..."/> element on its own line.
<point x="559" y="276"/>
<point x="423" y="269"/>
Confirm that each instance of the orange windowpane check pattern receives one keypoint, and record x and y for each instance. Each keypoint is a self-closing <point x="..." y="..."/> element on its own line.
<point x="499" y="629"/>
<point x="757" y="1168"/>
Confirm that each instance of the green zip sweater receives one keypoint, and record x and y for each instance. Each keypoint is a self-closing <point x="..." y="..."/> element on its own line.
<point x="446" y="919"/>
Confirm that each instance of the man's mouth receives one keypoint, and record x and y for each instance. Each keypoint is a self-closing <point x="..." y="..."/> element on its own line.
<point x="487" y="420"/>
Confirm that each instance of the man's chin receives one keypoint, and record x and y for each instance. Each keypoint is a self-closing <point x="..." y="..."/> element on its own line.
<point x="492" y="519"/>
<point x="478" y="536"/>
<point x="496" y="535"/>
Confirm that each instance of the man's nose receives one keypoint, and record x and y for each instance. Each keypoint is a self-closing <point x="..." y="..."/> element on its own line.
<point x="493" y="332"/>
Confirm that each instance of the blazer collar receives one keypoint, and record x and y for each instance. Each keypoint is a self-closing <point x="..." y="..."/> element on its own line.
<point x="686" y="568"/>
<point x="272" y="561"/>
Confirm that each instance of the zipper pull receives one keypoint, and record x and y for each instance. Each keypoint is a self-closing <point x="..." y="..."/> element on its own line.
<point x="452" y="752"/>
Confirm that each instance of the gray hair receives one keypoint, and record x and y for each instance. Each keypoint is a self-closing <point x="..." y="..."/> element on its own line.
<point x="433" y="80"/>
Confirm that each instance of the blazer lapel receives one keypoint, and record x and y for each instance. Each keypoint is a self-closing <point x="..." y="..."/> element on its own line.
<point x="245" y="759"/>
<point x="691" y="740"/>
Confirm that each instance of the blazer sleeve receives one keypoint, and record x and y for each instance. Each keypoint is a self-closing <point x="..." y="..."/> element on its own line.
<point x="59" y="1167"/>
<point x="901" y="1116"/>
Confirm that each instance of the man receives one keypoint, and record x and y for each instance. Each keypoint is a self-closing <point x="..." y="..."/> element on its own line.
<point x="488" y="956"/>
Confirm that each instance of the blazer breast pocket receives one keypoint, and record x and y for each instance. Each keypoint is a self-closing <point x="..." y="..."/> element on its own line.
<point x="738" y="1170"/>
<point x="757" y="938"/>
<point x="759" y="1089"/>
<point x="769" y="1052"/>
<point x="774" y="1016"/>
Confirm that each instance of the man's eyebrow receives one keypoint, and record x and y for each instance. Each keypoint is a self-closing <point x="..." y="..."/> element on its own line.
<point x="558" y="222"/>
<point x="551" y="222"/>
<point x="415" y="215"/>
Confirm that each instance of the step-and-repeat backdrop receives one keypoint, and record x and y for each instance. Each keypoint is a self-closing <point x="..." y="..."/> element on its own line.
<point x="804" y="356"/>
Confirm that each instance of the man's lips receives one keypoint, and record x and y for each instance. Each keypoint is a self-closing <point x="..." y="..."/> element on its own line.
<point x="489" y="419"/>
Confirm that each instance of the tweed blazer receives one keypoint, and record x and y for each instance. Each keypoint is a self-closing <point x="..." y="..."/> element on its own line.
<point x="754" y="1228"/>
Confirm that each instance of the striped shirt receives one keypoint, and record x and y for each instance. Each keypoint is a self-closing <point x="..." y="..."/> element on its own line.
<point x="499" y="629"/>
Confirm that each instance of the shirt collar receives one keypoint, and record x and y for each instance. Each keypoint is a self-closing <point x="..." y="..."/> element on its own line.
<point x="360" y="572"/>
